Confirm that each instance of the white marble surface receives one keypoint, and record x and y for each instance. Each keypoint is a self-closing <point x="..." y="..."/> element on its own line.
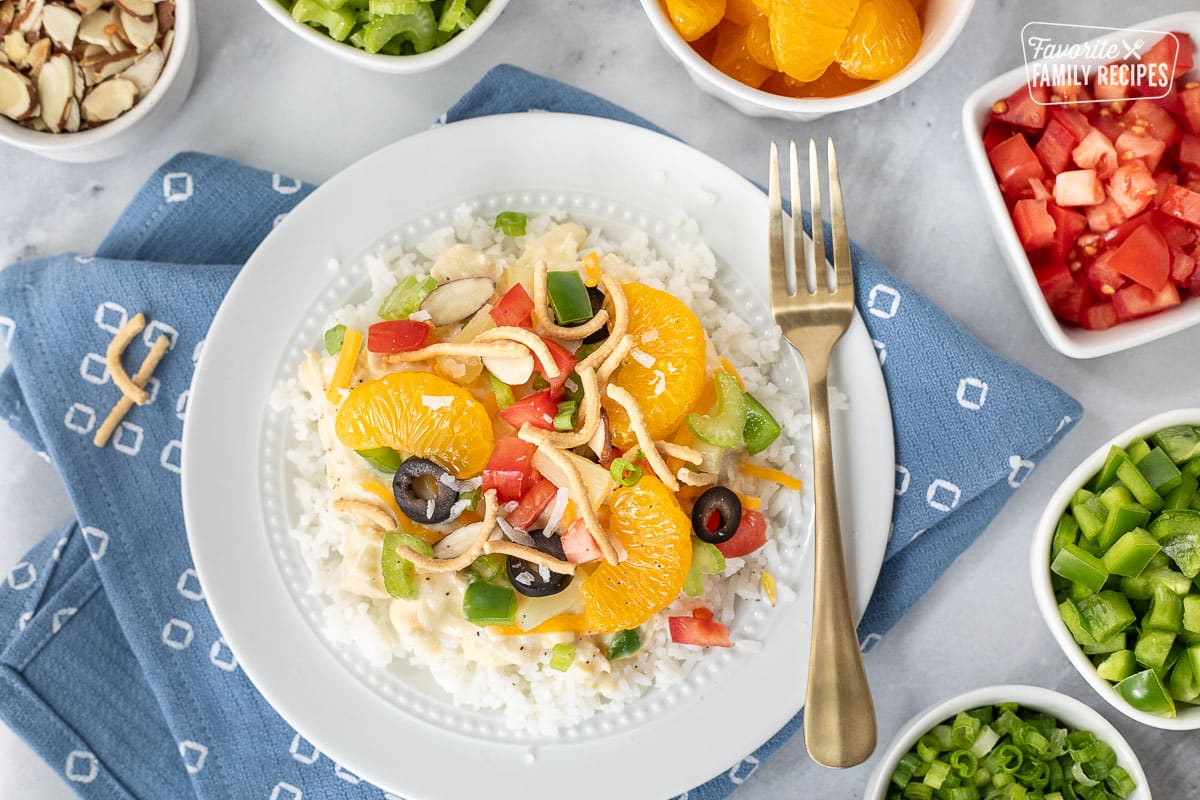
<point x="266" y="98"/>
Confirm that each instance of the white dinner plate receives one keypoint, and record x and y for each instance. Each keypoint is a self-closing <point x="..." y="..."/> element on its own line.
<point x="392" y="726"/>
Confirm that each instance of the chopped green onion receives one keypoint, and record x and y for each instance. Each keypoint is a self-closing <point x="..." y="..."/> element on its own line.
<point x="562" y="656"/>
<point x="511" y="223"/>
<point x="625" y="472"/>
<point x="937" y="774"/>
<point x="504" y="393"/>
<point x="399" y="574"/>
<point x="624" y="643"/>
<point x="334" y="338"/>
<point x="964" y="730"/>
<point x="489" y="604"/>
<point x="564" y="420"/>
<point x="406" y="297"/>
<point x="568" y="297"/>
<point x="384" y="459"/>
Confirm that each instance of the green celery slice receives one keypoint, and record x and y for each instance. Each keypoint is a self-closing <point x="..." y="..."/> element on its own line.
<point x="451" y="14"/>
<point x="1159" y="471"/>
<point x="406" y="297"/>
<point x="420" y="28"/>
<point x="337" y="22"/>
<point x="723" y="425"/>
<point x="706" y="560"/>
<point x="385" y="8"/>
<point x="399" y="575"/>
<point x="1180" y="442"/>
<point x="562" y="656"/>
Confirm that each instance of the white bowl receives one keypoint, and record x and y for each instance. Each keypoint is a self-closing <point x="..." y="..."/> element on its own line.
<point x="1071" y="341"/>
<point x="137" y="126"/>
<point x="1188" y="717"/>
<point x="942" y="23"/>
<point x="1067" y="710"/>
<point x="379" y="62"/>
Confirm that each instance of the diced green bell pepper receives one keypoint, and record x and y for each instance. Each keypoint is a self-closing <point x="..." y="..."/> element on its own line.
<point x="624" y="643"/>
<point x="399" y="575"/>
<point x="1192" y="467"/>
<point x="1118" y="666"/>
<point x="1089" y="512"/>
<point x="1181" y="442"/>
<point x="334" y="338"/>
<point x="1166" y="611"/>
<point x="1182" y="684"/>
<point x="337" y="22"/>
<point x="1159" y="471"/>
<point x="1176" y="582"/>
<point x="489" y="604"/>
<point x="1145" y="692"/>
<point x="1123" y="516"/>
<point x="1067" y="532"/>
<point x="511" y="223"/>
<point x="1153" y="648"/>
<point x="706" y="560"/>
<point x="1136" y="482"/>
<point x="1107" y="475"/>
<point x="1191" y="613"/>
<point x="568" y="297"/>
<point x="384" y="459"/>
<point x="1178" y="531"/>
<point x="1192" y="654"/>
<point x="419" y="27"/>
<point x="406" y="297"/>
<point x="1130" y="554"/>
<point x="1070" y="617"/>
<point x="1113" y="644"/>
<point x="723" y="425"/>
<point x="761" y="429"/>
<point x="1137" y="450"/>
<point x="1105" y="614"/>
<point x="1079" y="566"/>
<point x="1183" y="495"/>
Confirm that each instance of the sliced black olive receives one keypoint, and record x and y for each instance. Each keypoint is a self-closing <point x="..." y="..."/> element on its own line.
<point x="420" y="492"/>
<point x="597" y="297"/>
<point x="716" y="515"/>
<point x="534" y="580"/>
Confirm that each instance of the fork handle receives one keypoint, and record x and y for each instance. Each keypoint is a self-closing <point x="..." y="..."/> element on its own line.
<point x="839" y="715"/>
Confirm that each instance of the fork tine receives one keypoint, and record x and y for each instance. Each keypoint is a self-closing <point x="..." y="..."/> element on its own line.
<point x="801" y="273"/>
<point x="841" y="239"/>
<point x="818" y="222"/>
<point x="778" y="256"/>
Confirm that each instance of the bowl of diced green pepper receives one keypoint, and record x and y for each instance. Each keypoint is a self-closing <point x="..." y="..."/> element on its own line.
<point x="1116" y="570"/>
<point x="396" y="36"/>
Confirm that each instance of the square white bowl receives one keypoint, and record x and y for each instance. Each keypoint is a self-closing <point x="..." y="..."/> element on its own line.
<point x="1071" y="341"/>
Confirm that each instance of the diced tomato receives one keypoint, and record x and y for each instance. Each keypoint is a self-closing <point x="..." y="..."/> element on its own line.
<point x="1054" y="279"/>
<point x="1105" y="216"/>
<point x="1100" y="317"/>
<point x="1015" y="163"/>
<point x="397" y="336"/>
<point x="698" y="632"/>
<point x="1079" y="187"/>
<point x="1132" y="187"/>
<point x="509" y="470"/>
<point x="703" y="613"/>
<point x="537" y="409"/>
<point x="1189" y="150"/>
<point x="1119" y="234"/>
<point x="1096" y="151"/>
<point x="515" y="308"/>
<point x="532" y="505"/>
<point x="1115" y="84"/>
<point x="1146" y="116"/>
<point x="1162" y="179"/>
<point x="1132" y="146"/>
<point x="1108" y="122"/>
<point x="1035" y="226"/>
<point x="1068" y="225"/>
<point x="1103" y="275"/>
<point x="1190" y="98"/>
<point x="750" y="535"/>
<point x="994" y="133"/>
<point x="1055" y="146"/>
<point x="1182" y="204"/>
<point x="1144" y="258"/>
<point x="1074" y="303"/>
<point x="578" y="545"/>
<point x="1137" y="301"/>
<point x="1074" y="121"/>
<point x="566" y="362"/>
<point x="1169" y="57"/>
<point x="1183" y="266"/>
<point x="1039" y="190"/>
<point x="1177" y="234"/>
<point x="1024" y="108"/>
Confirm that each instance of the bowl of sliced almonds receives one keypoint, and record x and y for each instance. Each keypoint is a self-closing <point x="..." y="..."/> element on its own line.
<point x="88" y="80"/>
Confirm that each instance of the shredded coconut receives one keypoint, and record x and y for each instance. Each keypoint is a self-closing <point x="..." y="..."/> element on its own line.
<point x="420" y="315"/>
<point x="435" y="402"/>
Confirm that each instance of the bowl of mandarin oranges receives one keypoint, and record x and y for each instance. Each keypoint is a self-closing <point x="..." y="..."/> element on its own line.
<point x="803" y="59"/>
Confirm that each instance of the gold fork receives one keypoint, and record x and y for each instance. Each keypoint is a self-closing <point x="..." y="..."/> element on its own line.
<point x="839" y="716"/>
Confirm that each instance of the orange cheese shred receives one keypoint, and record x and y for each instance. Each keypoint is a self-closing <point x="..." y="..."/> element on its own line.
<point x="769" y="474"/>
<point x="344" y="370"/>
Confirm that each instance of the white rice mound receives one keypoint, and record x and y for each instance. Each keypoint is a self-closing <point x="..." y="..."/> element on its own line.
<point x="511" y="674"/>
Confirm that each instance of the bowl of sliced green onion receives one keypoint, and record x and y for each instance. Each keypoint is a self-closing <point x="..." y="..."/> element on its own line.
<point x="1009" y="743"/>
<point x="396" y="36"/>
<point x="1116" y="570"/>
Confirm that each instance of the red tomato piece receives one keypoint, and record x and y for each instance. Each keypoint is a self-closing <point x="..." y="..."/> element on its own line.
<point x="1100" y="317"/>
<point x="1074" y="303"/>
<point x="1112" y="82"/>
<point x="1137" y="301"/>
<point x="1147" y="117"/>
<point x="1183" y="204"/>
<point x="578" y="545"/>
<point x="1035" y="227"/>
<point x="1162" y="179"/>
<point x="1177" y="234"/>
<point x="1119" y="234"/>
<point x="1190" y="98"/>
<point x="1096" y="151"/>
<point x="703" y="613"/>
<point x="1189" y="150"/>
<point x="994" y="133"/>
<point x="1054" y="279"/>
<point x="1105" y="216"/>
<point x="1168" y="58"/>
<point x="1068" y="225"/>
<point x="537" y="409"/>
<point x="532" y="505"/>
<point x="1015" y="163"/>
<point x="698" y="632"/>
<point x="1024" y="108"/>
<point x="1103" y="275"/>
<point x="1144" y="258"/>
<point x="1080" y="187"/>
<point x="509" y="470"/>
<point x="1183" y="266"/>
<point x="1132" y="187"/>
<point x="1055" y="146"/>
<point x="566" y="362"/>
<point x="1108" y="122"/>
<point x="750" y="535"/>
<point x="1074" y="121"/>
<point x="1132" y="147"/>
<point x="514" y="309"/>
<point x="397" y="336"/>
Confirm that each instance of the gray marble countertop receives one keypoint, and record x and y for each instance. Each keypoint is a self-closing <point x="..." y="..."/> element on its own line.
<point x="266" y="98"/>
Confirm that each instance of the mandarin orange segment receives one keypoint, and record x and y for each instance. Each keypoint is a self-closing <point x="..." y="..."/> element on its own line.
<point x="758" y="42"/>
<point x="665" y="373"/>
<point x="656" y="535"/>
<point x="740" y="11"/>
<point x="418" y="414"/>
<point x="732" y="56"/>
<point x="833" y="83"/>
<point x="806" y="34"/>
<point x="694" y="18"/>
<point x="884" y="36"/>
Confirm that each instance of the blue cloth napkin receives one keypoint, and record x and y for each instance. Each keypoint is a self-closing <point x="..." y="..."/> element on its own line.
<point x="111" y="665"/>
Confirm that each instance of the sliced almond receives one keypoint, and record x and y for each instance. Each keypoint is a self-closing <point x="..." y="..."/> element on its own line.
<point x="140" y="33"/>
<point x="8" y="12"/>
<point x="80" y="85"/>
<point x="61" y="24"/>
<point x="35" y="121"/>
<point x="115" y="65"/>
<point x="142" y="9"/>
<point x="16" y="47"/>
<point x="37" y="56"/>
<point x="72" y="122"/>
<point x="456" y="300"/>
<point x="109" y="100"/>
<point x="29" y="18"/>
<point x="56" y="88"/>
<point x="166" y="15"/>
<point x="91" y="27"/>
<point x="513" y="371"/>
<point x="145" y="71"/>
<point x="17" y="98"/>
<point x="86" y="7"/>
<point x="4" y="59"/>
<point x="168" y="42"/>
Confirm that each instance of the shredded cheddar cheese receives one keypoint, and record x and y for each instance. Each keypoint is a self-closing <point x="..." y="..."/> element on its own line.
<point x="769" y="474"/>
<point x="344" y="370"/>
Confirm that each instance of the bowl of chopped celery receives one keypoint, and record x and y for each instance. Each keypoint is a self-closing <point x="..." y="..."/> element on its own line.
<point x="396" y="36"/>
<point x="1005" y="742"/>
<point x="1116" y="570"/>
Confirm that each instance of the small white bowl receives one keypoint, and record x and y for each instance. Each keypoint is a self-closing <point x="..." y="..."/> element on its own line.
<point x="1188" y="717"/>
<point x="137" y="126"/>
<point x="1067" y="710"/>
<point x="1071" y="341"/>
<point x="379" y="62"/>
<point x="942" y="22"/>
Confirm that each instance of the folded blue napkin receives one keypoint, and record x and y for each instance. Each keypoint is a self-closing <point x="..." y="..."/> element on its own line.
<point x="112" y="667"/>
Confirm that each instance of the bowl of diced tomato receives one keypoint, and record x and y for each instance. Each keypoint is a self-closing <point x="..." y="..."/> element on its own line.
<point x="1094" y="194"/>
